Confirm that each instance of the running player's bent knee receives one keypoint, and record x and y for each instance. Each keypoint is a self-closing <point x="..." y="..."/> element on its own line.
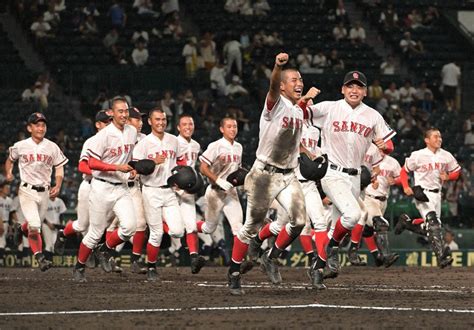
<point x="176" y="233"/>
<point x="34" y="230"/>
<point x="127" y="232"/>
<point x="350" y="218"/>
<point x="208" y="227"/>
<point x="155" y="239"/>
<point x="380" y="224"/>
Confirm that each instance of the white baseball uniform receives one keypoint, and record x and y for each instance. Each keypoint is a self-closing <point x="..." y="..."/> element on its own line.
<point x="427" y="167"/>
<point x="159" y="200"/>
<point x="272" y="175"/>
<point x="21" y="220"/>
<point x="346" y="136"/>
<point x="223" y="157"/>
<point x="109" y="192"/>
<point x="53" y="216"/>
<point x="36" y="162"/>
<point x="5" y="209"/>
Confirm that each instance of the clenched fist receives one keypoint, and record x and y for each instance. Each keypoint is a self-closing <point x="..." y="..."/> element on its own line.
<point x="312" y="93"/>
<point x="281" y="59"/>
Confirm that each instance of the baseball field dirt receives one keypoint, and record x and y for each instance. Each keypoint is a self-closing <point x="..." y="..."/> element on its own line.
<point x="364" y="297"/>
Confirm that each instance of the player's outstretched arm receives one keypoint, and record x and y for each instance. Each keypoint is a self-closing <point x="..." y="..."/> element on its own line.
<point x="275" y="79"/>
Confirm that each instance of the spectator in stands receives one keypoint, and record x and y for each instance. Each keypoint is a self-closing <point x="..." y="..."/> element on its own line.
<point x="46" y="81"/>
<point x="389" y="18"/>
<point x="422" y="90"/>
<point x="32" y="94"/>
<point x="188" y="105"/>
<point x="388" y="66"/>
<point x="468" y="123"/>
<point x="450" y="76"/>
<point x="245" y="40"/>
<point x="59" y="5"/>
<point x="273" y="39"/>
<point x="246" y="8"/>
<point x="430" y="16"/>
<point x="173" y="26"/>
<point x="140" y="35"/>
<point x="237" y="113"/>
<point x="320" y="61"/>
<point x="409" y="46"/>
<point x="169" y="6"/>
<point x="428" y="103"/>
<point x="339" y="32"/>
<point x="261" y="7"/>
<point x="117" y="15"/>
<point x="101" y="102"/>
<point x="375" y="91"/>
<point x="63" y="140"/>
<point x="261" y="76"/>
<point x="341" y="14"/>
<point x="407" y="93"/>
<point x="207" y="49"/>
<point x="357" y="33"/>
<point x="110" y="41"/>
<point x="145" y="7"/>
<point x="235" y="88"/>
<point x="334" y="62"/>
<point x="392" y="94"/>
<point x="167" y="104"/>
<point x="260" y="37"/>
<point x="414" y="20"/>
<point x="89" y="28"/>
<point x="233" y="6"/>
<point x="408" y="129"/>
<point x="233" y="54"/>
<point x="469" y="138"/>
<point x="304" y="60"/>
<point x="91" y="9"/>
<point x="51" y="16"/>
<point x="217" y="78"/>
<point x="190" y="57"/>
<point x="41" y="29"/>
<point x="140" y="54"/>
<point x="449" y="241"/>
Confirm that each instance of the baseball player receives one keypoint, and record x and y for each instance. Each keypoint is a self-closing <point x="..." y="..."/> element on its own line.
<point x="348" y="128"/>
<point x="432" y="166"/>
<point x="159" y="199"/>
<point x="221" y="158"/>
<point x="36" y="158"/>
<point x="51" y="223"/>
<point x="5" y="209"/>
<point x="109" y="155"/>
<point x="273" y="174"/>
<point x="102" y="119"/>
<point x="189" y="150"/>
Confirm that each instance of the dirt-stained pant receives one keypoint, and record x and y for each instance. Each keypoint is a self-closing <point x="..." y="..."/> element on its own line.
<point x="227" y="202"/>
<point x="34" y="206"/>
<point x="262" y="188"/>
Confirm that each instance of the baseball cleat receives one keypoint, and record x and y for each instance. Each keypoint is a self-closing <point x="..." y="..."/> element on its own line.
<point x="390" y="259"/>
<point x="316" y="277"/>
<point x="102" y="254"/>
<point x="234" y="284"/>
<point x="246" y="266"/>
<point x="379" y="260"/>
<point x="44" y="264"/>
<point x="401" y="224"/>
<point x="254" y="250"/>
<point x="329" y="274"/>
<point x="115" y="268"/>
<point x="138" y="268"/>
<point x="60" y="242"/>
<point x="355" y="259"/>
<point x="78" y="275"/>
<point x="151" y="274"/>
<point x="446" y="262"/>
<point x="197" y="262"/>
<point x="333" y="259"/>
<point x="270" y="266"/>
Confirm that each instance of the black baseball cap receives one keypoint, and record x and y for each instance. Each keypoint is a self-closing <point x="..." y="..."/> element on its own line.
<point x="102" y="116"/>
<point x="356" y="76"/>
<point x="36" y="117"/>
<point x="135" y="113"/>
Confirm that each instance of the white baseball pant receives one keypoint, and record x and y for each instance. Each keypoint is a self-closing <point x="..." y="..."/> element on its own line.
<point x="434" y="204"/>
<point x="226" y="202"/>
<point x="187" y="206"/>
<point x="3" y="237"/>
<point x="49" y="237"/>
<point x="374" y="207"/>
<point x="34" y="206"/>
<point x="81" y="224"/>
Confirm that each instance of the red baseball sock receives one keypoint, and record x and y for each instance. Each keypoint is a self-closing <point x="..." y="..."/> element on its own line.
<point x="193" y="242"/>
<point x="24" y="228"/>
<point x="265" y="232"/>
<point x="283" y="239"/>
<point x="322" y="239"/>
<point x="306" y="243"/>
<point x="152" y="253"/>
<point x="138" y="242"/>
<point x="166" y="229"/>
<point x="239" y="251"/>
<point x="113" y="240"/>
<point x="36" y="243"/>
<point x="107" y="234"/>
<point x="69" y="230"/>
<point x="199" y="225"/>
<point x="339" y="231"/>
<point x="417" y="221"/>
<point x="83" y="253"/>
<point x="356" y="234"/>
<point x="370" y="242"/>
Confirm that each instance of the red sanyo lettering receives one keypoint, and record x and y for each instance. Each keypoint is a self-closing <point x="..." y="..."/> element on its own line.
<point x="386" y="173"/>
<point x="190" y="156"/>
<point x="171" y="154"/>
<point x="309" y="143"/>
<point x="29" y="158"/>
<point x="293" y="123"/>
<point x="442" y="167"/>
<point x="126" y="149"/>
<point x="353" y="127"/>
<point x="230" y="158"/>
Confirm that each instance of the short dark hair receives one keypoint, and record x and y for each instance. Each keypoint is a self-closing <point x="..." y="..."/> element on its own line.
<point x="152" y="111"/>
<point x="223" y="120"/>
<point x="118" y="99"/>
<point x="429" y="131"/>
<point x="284" y="71"/>
<point x="184" y="115"/>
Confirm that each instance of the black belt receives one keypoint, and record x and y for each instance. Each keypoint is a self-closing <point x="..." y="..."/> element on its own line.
<point x="88" y="181"/>
<point x="274" y="169"/>
<point x="112" y="183"/>
<point x="303" y="181"/>
<point x="37" y="188"/>
<point x="432" y="190"/>
<point x="164" y="187"/>
<point x="380" y="198"/>
<point x="350" y="171"/>
<point x="131" y="184"/>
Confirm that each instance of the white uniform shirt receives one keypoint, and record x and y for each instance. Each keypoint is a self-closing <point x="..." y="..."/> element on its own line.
<point x="36" y="161"/>
<point x="85" y="155"/>
<point x="309" y="140"/>
<point x="223" y="157"/>
<point x="55" y="209"/>
<point x="188" y="150"/>
<point x="113" y="146"/>
<point x="280" y="134"/>
<point x="150" y="147"/>
<point x="347" y="133"/>
<point x="389" y="167"/>
<point x="373" y="157"/>
<point x="17" y="209"/>
<point x="5" y="208"/>
<point x="428" y="165"/>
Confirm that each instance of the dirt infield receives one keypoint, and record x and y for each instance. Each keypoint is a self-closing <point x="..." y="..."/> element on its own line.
<point x="360" y="297"/>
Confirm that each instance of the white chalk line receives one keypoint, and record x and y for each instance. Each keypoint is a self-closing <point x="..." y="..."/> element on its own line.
<point x="234" y="308"/>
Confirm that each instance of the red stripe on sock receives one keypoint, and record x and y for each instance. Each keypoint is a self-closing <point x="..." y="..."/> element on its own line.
<point x="193" y="242"/>
<point x="138" y="242"/>
<point x="36" y="243"/>
<point x="370" y="242"/>
<point x="283" y="239"/>
<point x="239" y="251"/>
<point x="113" y="240"/>
<point x="321" y="238"/>
<point x="339" y="231"/>
<point x="306" y="243"/>
<point x="265" y="232"/>
<point x="356" y="234"/>
<point x="152" y="253"/>
<point x="69" y="229"/>
<point x="418" y="221"/>
<point x="166" y="229"/>
<point x="199" y="224"/>
<point x="83" y="254"/>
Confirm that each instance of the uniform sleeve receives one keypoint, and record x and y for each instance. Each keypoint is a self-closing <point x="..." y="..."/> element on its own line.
<point x="59" y="158"/>
<point x="377" y="158"/>
<point x="84" y="154"/>
<point x="13" y="153"/>
<point x="396" y="169"/>
<point x="383" y="130"/>
<point x="97" y="149"/>
<point x="62" y="206"/>
<point x="269" y="108"/>
<point x="139" y="151"/>
<point x="180" y="152"/>
<point x="318" y="113"/>
<point x="241" y="149"/>
<point x="411" y="163"/>
<point x="453" y="165"/>
<point x="210" y="155"/>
